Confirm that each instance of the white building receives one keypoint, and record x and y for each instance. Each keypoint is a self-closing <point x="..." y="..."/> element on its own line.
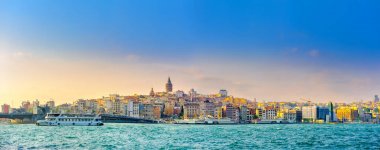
<point x="290" y="116"/>
<point x="108" y="106"/>
<point x="309" y="113"/>
<point x="269" y="113"/>
<point x="133" y="109"/>
<point x="117" y="106"/>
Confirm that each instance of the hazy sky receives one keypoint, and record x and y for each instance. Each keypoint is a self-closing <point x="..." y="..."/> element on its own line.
<point x="270" y="50"/>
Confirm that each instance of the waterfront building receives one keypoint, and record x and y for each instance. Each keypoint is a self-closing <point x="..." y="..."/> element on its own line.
<point x="251" y="114"/>
<point x="91" y="105"/>
<point x="290" y="116"/>
<point x="5" y="108"/>
<point x="259" y="112"/>
<point x="169" y="109"/>
<point x="377" y="119"/>
<point x="191" y="110"/>
<point x="366" y="117"/>
<point x="207" y="109"/>
<point x="129" y="109"/>
<point x="117" y="106"/>
<point x="80" y="105"/>
<point x="147" y="111"/>
<point x="157" y="111"/>
<point x="169" y="86"/>
<point x="223" y="93"/>
<point x="243" y="114"/>
<point x="322" y="112"/>
<point x="269" y="113"/>
<point x="218" y="114"/>
<point x="133" y="109"/>
<point x="309" y="113"/>
<point x="298" y="116"/>
<point x="232" y="113"/>
<point x="346" y="114"/>
<point x="108" y="105"/>
<point x="136" y="109"/>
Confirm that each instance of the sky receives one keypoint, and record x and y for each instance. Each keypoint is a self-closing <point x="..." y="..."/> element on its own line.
<point x="270" y="50"/>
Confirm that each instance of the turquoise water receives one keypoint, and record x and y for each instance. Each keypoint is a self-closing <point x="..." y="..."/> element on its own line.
<point x="161" y="136"/>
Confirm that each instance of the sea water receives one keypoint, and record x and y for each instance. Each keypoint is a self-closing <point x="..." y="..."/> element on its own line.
<point x="171" y="136"/>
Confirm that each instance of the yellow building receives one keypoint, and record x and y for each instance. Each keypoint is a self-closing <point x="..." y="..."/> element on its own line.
<point x="347" y="114"/>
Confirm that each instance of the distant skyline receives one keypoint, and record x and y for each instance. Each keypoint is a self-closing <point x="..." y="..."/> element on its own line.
<point x="269" y="50"/>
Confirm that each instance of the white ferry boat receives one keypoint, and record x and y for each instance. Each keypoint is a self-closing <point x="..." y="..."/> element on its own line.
<point x="70" y="120"/>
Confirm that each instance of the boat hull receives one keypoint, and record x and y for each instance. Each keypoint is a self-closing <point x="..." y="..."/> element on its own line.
<point x="47" y="123"/>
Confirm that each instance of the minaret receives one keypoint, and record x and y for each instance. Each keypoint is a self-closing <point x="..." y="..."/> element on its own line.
<point x="169" y="86"/>
<point x="151" y="92"/>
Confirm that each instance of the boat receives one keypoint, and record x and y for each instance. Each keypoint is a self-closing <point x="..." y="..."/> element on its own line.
<point x="70" y="120"/>
<point x="205" y="121"/>
<point x="275" y="121"/>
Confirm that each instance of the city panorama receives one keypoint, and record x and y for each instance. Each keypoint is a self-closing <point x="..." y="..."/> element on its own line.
<point x="189" y="74"/>
<point x="180" y="107"/>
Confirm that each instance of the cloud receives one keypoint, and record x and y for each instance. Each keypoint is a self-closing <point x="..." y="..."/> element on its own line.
<point x="314" y="53"/>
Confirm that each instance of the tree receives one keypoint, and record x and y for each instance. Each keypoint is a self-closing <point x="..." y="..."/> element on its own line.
<point x="181" y="113"/>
